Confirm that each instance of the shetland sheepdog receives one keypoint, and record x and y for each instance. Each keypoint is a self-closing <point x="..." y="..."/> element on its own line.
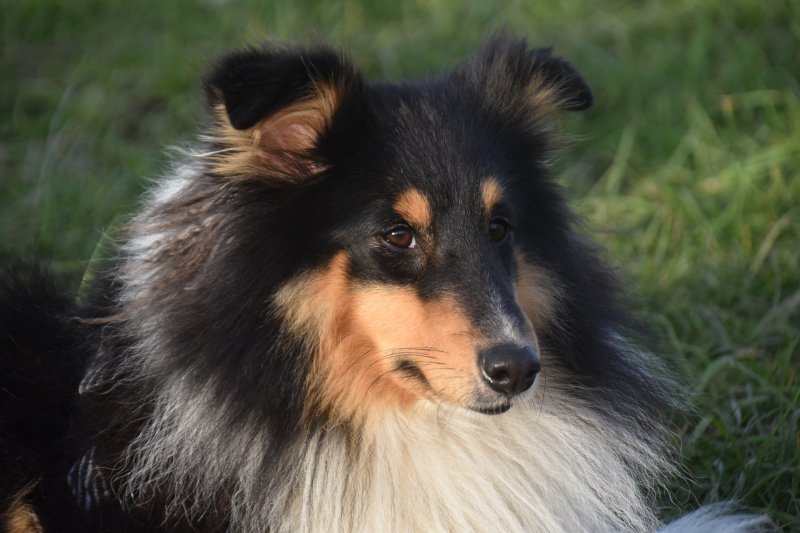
<point x="354" y="306"/>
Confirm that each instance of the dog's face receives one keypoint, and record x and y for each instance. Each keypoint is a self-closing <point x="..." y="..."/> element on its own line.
<point x="425" y="230"/>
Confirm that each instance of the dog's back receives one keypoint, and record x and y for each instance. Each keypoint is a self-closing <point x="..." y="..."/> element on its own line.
<point x="41" y="347"/>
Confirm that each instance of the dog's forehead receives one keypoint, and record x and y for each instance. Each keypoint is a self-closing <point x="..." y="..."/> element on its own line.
<point x="432" y="123"/>
<point x="439" y="151"/>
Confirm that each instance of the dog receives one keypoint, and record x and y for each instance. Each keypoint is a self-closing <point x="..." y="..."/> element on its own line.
<point x="353" y="306"/>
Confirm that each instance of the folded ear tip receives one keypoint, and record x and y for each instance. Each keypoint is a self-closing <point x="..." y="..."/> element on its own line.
<point x="522" y="65"/>
<point x="241" y="121"/>
<point x="588" y="101"/>
<point x="581" y="99"/>
<point x="576" y="93"/>
<point x="256" y="82"/>
<point x="274" y="104"/>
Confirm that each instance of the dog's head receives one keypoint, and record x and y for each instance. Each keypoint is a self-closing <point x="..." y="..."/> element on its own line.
<point x="419" y="240"/>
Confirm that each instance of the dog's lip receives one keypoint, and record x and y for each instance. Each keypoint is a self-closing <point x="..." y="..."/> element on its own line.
<point x="492" y="409"/>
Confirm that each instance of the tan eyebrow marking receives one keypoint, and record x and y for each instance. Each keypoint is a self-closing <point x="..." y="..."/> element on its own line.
<point x="413" y="206"/>
<point x="491" y="194"/>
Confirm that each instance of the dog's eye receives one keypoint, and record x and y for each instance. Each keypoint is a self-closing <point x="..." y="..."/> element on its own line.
<point x="402" y="237"/>
<point x="498" y="229"/>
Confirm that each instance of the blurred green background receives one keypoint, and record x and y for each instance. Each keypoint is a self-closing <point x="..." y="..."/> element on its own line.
<point x="687" y="168"/>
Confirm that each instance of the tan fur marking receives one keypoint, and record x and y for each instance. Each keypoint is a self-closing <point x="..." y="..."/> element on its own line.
<point x="492" y="194"/>
<point x="543" y="96"/>
<point x="318" y="306"/>
<point x="538" y="295"/>
<point x="363" y="332"/>
<point x="415" y="208"/>
<point x="435" y="335"/>
<point x="278" y="145"/>
<point x="20" y="516"/>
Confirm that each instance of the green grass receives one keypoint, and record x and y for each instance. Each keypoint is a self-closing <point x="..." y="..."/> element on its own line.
<point x="686" y="171"/>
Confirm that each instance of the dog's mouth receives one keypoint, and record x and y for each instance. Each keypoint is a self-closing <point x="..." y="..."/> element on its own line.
<point x="493" y="409"/>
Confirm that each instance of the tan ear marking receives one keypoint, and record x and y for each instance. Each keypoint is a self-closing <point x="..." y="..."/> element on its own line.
<point x="279" y="146"/>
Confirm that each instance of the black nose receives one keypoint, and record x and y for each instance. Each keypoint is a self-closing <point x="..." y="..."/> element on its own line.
<point x="509" y="368"/>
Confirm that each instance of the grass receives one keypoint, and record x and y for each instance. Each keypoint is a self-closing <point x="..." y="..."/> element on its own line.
<point x="687" y="168"/>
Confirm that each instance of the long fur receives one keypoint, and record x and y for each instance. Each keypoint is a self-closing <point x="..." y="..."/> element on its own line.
<point x="229" y="371"/>
<point x="590" y="467"/>
<point x="426" y="471"/>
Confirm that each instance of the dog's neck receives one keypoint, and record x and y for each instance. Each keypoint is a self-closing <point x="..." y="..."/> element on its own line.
<point x="441" y="469"/>
<point x="435" y="468"/>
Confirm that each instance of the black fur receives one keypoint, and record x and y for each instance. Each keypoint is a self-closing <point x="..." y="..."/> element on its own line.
<point x="43" y="351"/>
<point x="251" y="91"/>
<point x="208" y="296"/>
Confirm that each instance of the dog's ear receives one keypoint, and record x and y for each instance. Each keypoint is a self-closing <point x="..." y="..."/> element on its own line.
<point x="507" y="68"/>
<point x="273" y="107"/>
<point x="550" y="73"/>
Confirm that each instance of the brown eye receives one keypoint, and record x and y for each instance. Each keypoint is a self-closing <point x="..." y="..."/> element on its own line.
<point x="402" y="237"/>
<point x="498" y="229"/>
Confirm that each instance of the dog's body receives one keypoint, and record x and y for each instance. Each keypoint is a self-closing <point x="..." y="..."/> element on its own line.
<point x="357" y="307"/>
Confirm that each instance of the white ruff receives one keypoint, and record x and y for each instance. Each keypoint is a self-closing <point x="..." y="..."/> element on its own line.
<point x="541" y="467"/>
<point x="450" y="470"/>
